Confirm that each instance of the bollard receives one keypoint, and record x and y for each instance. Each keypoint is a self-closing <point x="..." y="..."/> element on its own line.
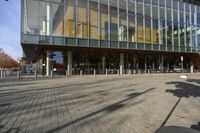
<point x="106" y="72"/>
<point x="4" y="73"/>
<point x="117" y="72"/>
<point x="35" y="73"/>
<point x="81" y="73"/>
<point x="134" y="72"/>
<point x="18" y="74"/>
<point x="139" y="72"/>
<point x="94" y="73"/>
<point x="1" y="74"/>
<point x="148" y="71"/>
<point x="66" y="73"/>
<point x="51" y="74"/>
<point x="129" y="72"/>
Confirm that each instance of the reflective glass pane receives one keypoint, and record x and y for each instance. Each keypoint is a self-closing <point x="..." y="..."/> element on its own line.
<point x="70" y="21"/>
<point x="94" y="32"/>
<point x="147" y="10"/>
<point x="140" y="31"/>
<point x="169" y="33"/>
<point x="155" y="31"/>
<point x="131" y="29"/>
<point x="122" y="28"/>
<point x="148" y="30"/>
<point x="104" y="24"/>
<point x="113" y="26"/>
<point x="82" y="26"/>
<point x="175" y="32"/>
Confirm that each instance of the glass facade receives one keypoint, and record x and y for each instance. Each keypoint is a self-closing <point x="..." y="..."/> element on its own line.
<point x="170" y="24"/>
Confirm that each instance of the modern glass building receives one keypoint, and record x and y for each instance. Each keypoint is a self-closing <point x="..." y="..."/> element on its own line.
<point x="117" y="35"/>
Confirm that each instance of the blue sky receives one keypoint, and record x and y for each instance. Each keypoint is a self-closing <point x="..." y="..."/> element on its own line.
<point x="10" y="27"/>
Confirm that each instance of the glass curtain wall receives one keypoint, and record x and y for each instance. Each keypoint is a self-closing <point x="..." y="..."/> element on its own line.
<point x="163" y="22"/>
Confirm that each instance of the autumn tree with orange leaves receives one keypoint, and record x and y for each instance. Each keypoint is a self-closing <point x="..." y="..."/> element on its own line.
<point x="6" y="61"/>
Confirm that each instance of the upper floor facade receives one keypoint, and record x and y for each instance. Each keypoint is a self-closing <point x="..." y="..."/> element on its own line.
<point x="158" y="25"/>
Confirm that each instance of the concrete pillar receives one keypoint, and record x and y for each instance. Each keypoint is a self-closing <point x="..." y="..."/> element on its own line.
<point x="51" y="73"/>
<point x="134" y="62"/>
<point x="137" y="66"/>
<point x="158" y="63"/>
<point x="48" y="62"/>
<point x="103" y="63"/>
<point x="191" y="67"/>
<point x="121" y="63"/>
<point x="145" y="64"/>
<point x="35" y="73"/>
<point x="153" y="65"/>
<point x="168" y="67"/>
<point x="162" y="63"/>
<point x="66" y="73"/>
<point x="69" y="62"/>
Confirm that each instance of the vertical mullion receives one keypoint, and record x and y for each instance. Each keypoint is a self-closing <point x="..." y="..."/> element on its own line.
<point x="151" y="15"/>
<point x="127" y="21"/>
<point x="159" y="35"/>
<point x="99" y="21"/>
<point x="143" y="18"/>
<point x="179" y="25"/>
<point x="190" y="23"/>
<point x="136" y="40"/>
<point x="166" y="26"/>
<point x="118" y="22"/>
<point x="88" y="21"/>
<point x="76" y="19"/>
<point x="185" y="28"/>
<point x="172" y="18"/>
<point x="195" y="23"/>
<point x="109" y="22"/>
<point x="64" y="25"/>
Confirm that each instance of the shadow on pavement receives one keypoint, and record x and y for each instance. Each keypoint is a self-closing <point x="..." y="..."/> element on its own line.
<point x="194" y="81"/>
<point x="183" y="89"/>
<point x="114" y="107"/>
<point x="16" y="84"/>
<point x="196" y="127"/>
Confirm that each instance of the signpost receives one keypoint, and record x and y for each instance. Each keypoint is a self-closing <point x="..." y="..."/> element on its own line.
<point x="182" y="76"/>
<point x="182" y="63"/>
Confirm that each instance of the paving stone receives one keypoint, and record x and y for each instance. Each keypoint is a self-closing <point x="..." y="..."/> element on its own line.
<point x="114" y="104"/>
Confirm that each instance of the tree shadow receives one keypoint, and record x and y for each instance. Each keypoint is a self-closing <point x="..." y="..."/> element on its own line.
<point x="185" y="90"/>
<point x="114" y="107"/>
<point x="194" y="81"/>
<point x="196" y="127"/>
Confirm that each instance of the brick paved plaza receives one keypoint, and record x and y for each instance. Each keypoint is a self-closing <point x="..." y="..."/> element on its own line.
<point x="125" y="104"/>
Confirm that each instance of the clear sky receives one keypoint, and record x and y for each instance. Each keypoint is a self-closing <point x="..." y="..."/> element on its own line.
<point x="10" y="27"/>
